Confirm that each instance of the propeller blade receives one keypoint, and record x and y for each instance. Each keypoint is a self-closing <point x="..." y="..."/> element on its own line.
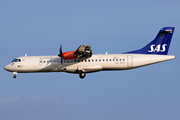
<point x="61" y="54"/>
<point x="60" y="51"/>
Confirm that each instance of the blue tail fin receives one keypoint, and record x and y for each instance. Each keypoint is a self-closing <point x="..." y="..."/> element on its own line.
<point x="160" y="45"/>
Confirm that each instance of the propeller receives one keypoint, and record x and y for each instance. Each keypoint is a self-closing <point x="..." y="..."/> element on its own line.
<point x="61" y="54"/>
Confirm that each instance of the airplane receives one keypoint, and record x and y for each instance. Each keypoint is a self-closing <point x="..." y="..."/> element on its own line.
<point x="83" y="61"/>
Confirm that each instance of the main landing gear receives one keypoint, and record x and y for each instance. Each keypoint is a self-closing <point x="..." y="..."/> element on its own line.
<point x="82" y="74"/>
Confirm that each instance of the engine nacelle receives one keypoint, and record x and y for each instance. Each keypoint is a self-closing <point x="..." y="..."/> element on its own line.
<point x="69" y="55"/>
<point x="84" y="50"/>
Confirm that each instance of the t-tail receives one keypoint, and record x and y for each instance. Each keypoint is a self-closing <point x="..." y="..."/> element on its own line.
<point x="160" y="45"/>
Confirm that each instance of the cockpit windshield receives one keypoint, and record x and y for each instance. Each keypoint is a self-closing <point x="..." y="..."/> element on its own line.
<point x="16" y="60"/>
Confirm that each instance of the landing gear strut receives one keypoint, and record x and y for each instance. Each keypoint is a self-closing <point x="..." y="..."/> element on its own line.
<point x="14" y="74"/>
<point x="82" y="74"/>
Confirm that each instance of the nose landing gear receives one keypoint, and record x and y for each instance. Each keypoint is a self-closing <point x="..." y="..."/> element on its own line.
<point x="14" y="76"/>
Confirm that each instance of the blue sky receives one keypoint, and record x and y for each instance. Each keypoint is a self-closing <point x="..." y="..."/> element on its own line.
<point x="39" y="27"/>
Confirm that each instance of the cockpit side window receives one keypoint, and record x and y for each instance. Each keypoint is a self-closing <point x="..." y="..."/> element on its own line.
<point x="16" y="60"/>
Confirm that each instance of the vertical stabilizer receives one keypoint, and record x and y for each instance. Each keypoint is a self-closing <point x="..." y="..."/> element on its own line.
<point x="160" y="45"/>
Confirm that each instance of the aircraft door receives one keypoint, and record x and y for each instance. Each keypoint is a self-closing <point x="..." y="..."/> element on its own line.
<point x="129" y="61"/>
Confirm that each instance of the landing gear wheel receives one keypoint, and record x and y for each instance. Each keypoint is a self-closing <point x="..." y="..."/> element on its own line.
<point x="14" y="76"/>
<point x="82" y="75"/>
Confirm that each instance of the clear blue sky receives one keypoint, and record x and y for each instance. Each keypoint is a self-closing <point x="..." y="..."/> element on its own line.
<point x="38" y="28"/>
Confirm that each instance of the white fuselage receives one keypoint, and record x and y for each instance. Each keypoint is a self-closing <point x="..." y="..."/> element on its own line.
<point x="92" y="64"/>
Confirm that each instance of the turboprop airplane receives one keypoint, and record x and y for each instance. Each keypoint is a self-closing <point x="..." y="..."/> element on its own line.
<point x="82" y="60"/>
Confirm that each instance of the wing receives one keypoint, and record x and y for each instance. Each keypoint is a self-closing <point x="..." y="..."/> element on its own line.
<point x="84" y="51"/>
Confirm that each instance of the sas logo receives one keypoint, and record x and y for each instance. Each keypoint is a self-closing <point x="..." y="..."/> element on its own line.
<point x="158" y="48"/>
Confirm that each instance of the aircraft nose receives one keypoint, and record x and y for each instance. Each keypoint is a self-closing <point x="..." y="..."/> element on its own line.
<point x="6" y="67"/>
